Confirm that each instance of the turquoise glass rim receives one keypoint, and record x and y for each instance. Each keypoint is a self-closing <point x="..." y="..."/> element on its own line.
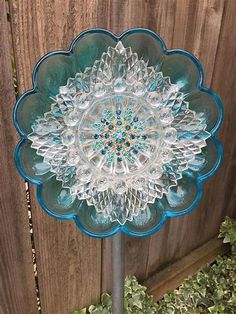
<point x="199" y="179"/>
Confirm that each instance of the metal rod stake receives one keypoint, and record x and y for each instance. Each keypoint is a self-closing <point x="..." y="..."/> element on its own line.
<point x="118" y="273"/>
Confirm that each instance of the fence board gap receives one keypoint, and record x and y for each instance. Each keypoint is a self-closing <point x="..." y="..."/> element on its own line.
<point x="34" y="257"/>
<point x="17" y="291"/>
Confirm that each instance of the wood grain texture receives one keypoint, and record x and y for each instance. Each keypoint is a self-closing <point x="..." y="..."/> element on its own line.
<point x="224" y="82"/>
<point x="173" y="275"/>
<point x="17" y="285"/>
<point x="196" y="28"/>
<point x="193" y="26"/>
<point x="68" y="262"/>
<point x="203" y="27"/>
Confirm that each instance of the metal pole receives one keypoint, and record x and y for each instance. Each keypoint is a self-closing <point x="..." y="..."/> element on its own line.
<point x="118" y="273"/>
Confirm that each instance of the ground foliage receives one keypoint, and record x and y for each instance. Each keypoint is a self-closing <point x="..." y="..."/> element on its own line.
<point x="212" y="290"/>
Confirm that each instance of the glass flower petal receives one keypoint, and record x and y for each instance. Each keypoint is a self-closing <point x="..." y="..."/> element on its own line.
<point x="121" y="136"/>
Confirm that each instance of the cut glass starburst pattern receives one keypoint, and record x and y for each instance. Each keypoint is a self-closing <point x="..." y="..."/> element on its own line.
<point x="119" y="135"/>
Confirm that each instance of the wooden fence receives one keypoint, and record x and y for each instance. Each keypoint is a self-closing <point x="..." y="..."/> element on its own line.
<point x="72" y="268"/>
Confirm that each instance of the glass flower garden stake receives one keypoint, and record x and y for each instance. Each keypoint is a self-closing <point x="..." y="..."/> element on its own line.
<point x="118" y="133"/>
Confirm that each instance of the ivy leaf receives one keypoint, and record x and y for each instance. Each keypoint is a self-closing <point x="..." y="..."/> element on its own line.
<point x="106" y="300"/>
<point x="212" y="290"/>
<point x="137" y="302"/>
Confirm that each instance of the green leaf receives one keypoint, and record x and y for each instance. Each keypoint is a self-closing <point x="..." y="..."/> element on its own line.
<point x="106" y="300"/>
<point x="212" y="290"/>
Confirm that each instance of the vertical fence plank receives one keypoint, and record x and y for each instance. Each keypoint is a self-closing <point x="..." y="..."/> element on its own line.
<point x="17" y="285"/>
<point x="196" y="29"/>
<point x="69" y="263"/>
<point x="224" y="82"/>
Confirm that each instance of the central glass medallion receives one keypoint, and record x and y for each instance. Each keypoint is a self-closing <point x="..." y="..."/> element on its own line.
<point x="119" y="135"/>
